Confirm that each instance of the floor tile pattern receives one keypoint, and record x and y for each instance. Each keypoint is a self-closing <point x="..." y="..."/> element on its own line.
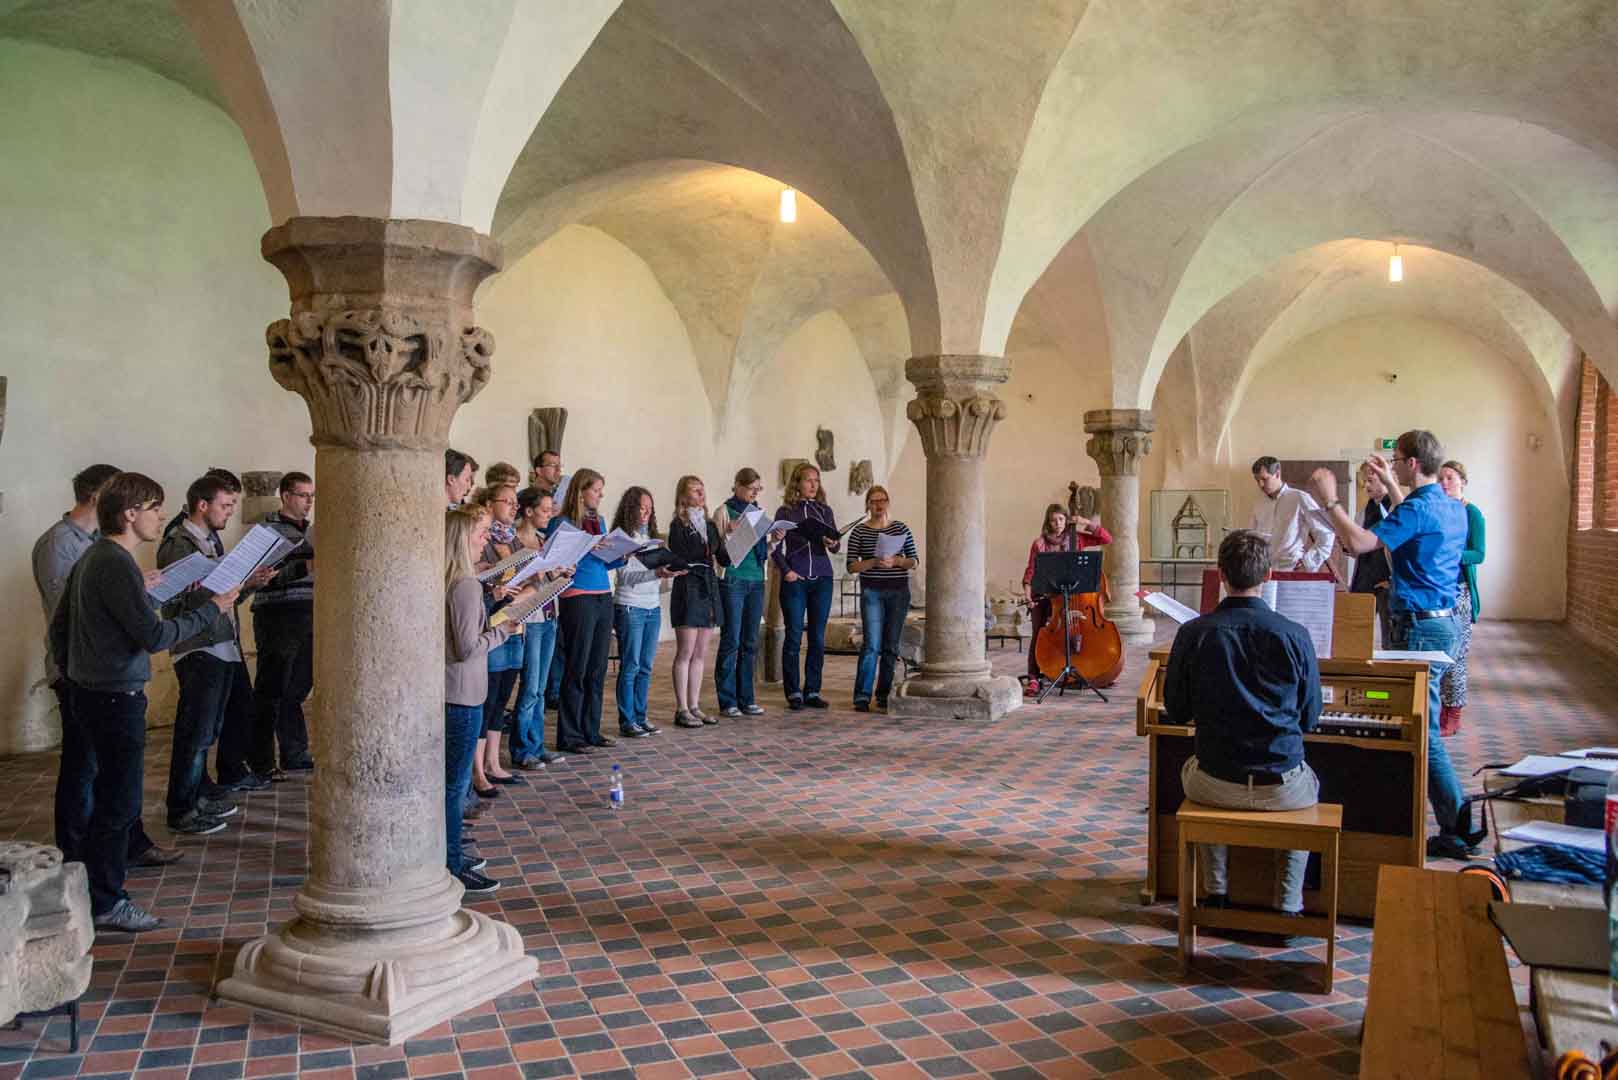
<point x="797" y="895"/>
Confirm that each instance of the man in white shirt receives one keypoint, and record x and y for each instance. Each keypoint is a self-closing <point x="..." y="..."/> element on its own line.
<point x="1298" y="541"/>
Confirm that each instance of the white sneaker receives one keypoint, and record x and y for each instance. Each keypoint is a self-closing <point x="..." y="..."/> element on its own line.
<point x="731" y="712"/>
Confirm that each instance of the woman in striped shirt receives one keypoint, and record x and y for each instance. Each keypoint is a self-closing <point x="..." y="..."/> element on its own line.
<point x="884" y="595"/>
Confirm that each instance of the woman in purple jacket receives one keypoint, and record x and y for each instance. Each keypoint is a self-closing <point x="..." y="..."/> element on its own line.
<point x="804" y="561"/>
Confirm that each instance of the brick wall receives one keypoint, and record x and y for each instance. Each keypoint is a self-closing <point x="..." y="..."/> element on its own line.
<point x="1592" y="548"/>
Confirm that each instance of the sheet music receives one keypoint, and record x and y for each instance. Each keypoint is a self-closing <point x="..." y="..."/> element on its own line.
<point x="1554" y="832"/>
<point x="1544" y="765"/>
<point x="510" y="562"/>
<point x="618" y="545"/>
<point x="262" y="546"/>
<point x="1309" y="603"/>
<point x="888" y="545"/>
<point x="180" y="576"/>
<point x="1171" y="607"/>
<point x="527" y="611"/>
<point x="1432" y="656"/>
<point x="752" y="525"/>
<point x="698" y="522"/>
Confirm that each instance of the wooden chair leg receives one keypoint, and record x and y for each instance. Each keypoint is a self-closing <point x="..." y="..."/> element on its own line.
<point x="1188" y="900"/>
<point x="1330" y="873"/>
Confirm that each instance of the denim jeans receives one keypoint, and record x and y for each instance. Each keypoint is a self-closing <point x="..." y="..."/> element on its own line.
<point x="1435" y="635"/>
<point x="805" y="600"/>
<point x="637" y="630"/>
<point x="743" y="604"/>
<point x="116" y="722"/>
<point x="882" y="620"/>
<point x="286" y="674"/>
<point x="539" y="648"/>
<point x="205" y="684"/>
<point x="463" y="727"/>
<point x="75" y="785"/>
<point x="1299" y="788"/>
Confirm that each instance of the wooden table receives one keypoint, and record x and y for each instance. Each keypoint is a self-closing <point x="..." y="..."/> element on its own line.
<point x="1570" y="1007"/>
<point x="1441" y="1003"/>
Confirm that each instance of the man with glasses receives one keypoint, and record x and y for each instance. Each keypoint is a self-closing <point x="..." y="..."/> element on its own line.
<point x="1424" y="535"/>
<point x="104" y="631"/>
<point x="55" y="554"/>
<point x="284" y="627"/>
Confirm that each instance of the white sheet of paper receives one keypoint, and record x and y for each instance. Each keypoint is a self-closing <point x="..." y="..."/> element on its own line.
<point x="752" y="525"/>
<point x="1592" y="751"/>
<point x="566" y="547"/>
<point x="887" y="546"/>
<point x="694" y="515"/>
<point x="262" y="546"/>
<point x="617" y="545"/>
<point x="1429" y="657"/>
<point x="180" y="576"/>
<point x="1545" y="764"/>
<point x="1554" y="832"/>
<point x="1309" y="603"/>
<point x="1171" y="607"/>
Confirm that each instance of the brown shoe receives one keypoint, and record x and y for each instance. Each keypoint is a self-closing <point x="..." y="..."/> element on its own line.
<point x="157" y="855"/>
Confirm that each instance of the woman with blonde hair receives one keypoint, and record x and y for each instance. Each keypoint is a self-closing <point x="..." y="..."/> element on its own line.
<point x="467" y="642"/>
<point x="694" y="606"/>
<point x="804" y="561"/>
<point x="884" y="596"/>
<point x="1452" y="689"/>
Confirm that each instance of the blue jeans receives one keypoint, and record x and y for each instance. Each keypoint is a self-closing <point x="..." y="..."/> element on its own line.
<point x="882" y="620"/>
<point x="807" y="599"/>
<point x="743" y="604"/>
<point x="637" y="630"/>
<point x="539" y="648"/>
<point x="116" y="723"/>
<point x="463" y="728"/>
<point x="1443" y="789"/>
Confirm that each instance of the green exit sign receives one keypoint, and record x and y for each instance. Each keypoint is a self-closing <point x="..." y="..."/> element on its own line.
<point x="1387" y="444"/>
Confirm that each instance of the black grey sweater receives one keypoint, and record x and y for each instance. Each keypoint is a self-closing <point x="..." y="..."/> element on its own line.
<point x="105" y="626"/>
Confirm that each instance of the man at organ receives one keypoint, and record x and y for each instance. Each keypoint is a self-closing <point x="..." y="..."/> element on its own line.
<point x="1247" y="678"/>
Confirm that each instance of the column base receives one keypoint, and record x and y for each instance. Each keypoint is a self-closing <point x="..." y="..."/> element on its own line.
<point x="956" y="697"/>
<point x="1133" y="627"/>
<point x="352" y="987"/>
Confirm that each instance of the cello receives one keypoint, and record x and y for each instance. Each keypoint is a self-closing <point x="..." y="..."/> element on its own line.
<point x="1078" y="631"/>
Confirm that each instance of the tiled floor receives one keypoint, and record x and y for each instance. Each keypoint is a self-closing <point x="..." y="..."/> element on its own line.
<point x="797" y="895"/>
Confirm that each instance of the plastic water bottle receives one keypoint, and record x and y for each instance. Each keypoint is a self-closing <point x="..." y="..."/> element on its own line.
<point x="615" y="797"/>
<point x="1610" y="820"/>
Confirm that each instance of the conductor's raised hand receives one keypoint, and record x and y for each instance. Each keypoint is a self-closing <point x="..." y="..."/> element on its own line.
<point x="1323" y="483"/>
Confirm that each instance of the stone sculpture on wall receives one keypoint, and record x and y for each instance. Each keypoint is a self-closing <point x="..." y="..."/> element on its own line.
<point x="787" y="465"/>
<point x="1087" y="498"/>
<point x="859" y="477"/>
<point x="825" y="455"/>
<point x="45" y="929"/>
<point x="545" y="428"/>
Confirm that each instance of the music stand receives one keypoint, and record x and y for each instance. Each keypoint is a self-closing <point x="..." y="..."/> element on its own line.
<point x="1067" y="572"/>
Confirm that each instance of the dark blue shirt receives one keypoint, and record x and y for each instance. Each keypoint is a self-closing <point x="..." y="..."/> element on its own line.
<point x="1425" y="536"/>
<point x="1247" y="678"/>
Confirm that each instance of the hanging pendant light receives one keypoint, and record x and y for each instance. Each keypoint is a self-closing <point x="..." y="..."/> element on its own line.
<point x="1396" y="266"/>
<point x="789" y="206"/>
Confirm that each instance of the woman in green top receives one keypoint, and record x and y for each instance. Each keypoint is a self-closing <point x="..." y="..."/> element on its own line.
<point x="1452" y="691"/>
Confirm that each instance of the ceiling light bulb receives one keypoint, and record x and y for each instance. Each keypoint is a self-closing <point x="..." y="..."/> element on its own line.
<point x="789" y="206"/>
<point x="1396" y="265"/>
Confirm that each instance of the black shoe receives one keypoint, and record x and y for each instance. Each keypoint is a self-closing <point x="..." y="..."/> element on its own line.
<point x="648" y="728"/>
<point x="552" y="759"/>
<point x="249" y="782"/>
<point x="300" y="765"/>
<point x="582" y="748"/>
<point x="485" y="793"/>
<point x="602" y="742"/>
<point x="157" y="855"/>
<point x="882" y="704"/>
<point x="472" y="862"/>
<point x="219" y="808"/>
<point x="795" y="703"/>
<point x="815" y="701"/>
<point x="862" y="706"/>
<point x="1217" y="901"/>
<point x="476" y="884"/>
<point x="195" y="823"/>
<point x="507" y="780"/>
<point x="1448" y="846"/>
<point x="552" y="704"/>
<point x="630" y="732"/>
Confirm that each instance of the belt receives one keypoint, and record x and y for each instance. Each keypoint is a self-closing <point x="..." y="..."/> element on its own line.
<point x="1441" y="613"/>
<point x="1245" y="776"/>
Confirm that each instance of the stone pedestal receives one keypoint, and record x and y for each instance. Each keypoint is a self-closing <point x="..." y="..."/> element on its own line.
<point x="381" y="344"/>
<point x="955" y="411"/>
<point x="45" y="929"/>
<point x="1119" y="440"/>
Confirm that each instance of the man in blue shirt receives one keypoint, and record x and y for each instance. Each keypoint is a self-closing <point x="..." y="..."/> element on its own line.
<point x="1424" y="535"/>
<point x="1247" y="678"/>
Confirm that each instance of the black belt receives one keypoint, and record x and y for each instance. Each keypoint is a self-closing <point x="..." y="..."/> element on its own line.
<point x="1243" y="776"/>
<point x="1441" y="613"/>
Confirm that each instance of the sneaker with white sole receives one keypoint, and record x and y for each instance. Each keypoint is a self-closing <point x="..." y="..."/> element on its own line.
<point x="731" y="711"/>
<point x="128" y="917"/>
<point x="196" y="823"/>
<point x="219" y="808"/>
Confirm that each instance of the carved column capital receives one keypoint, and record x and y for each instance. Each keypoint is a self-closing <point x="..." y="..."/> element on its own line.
<point x="1119" y="439"/>
<point x="381" y="341"/>
<point x="955" y="409"/>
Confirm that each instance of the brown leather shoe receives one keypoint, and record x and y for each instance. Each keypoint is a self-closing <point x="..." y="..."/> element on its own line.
<point x="157" y="855"/>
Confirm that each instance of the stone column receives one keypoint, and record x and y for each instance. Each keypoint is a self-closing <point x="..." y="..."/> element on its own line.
<point x="382" y="345"/>
<point x="955" y="411"/>
<point x="1119" y="440"/>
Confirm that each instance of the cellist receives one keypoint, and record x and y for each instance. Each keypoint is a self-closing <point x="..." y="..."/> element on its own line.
<point x="1059" y="532"/>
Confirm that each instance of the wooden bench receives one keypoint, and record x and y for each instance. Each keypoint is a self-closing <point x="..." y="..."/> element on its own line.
<point x="1315" y="828"/>
<point x="1441" y="1003"/>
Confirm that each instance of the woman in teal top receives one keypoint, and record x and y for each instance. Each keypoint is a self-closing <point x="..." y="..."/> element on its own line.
<point x="1452" y="691"/>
